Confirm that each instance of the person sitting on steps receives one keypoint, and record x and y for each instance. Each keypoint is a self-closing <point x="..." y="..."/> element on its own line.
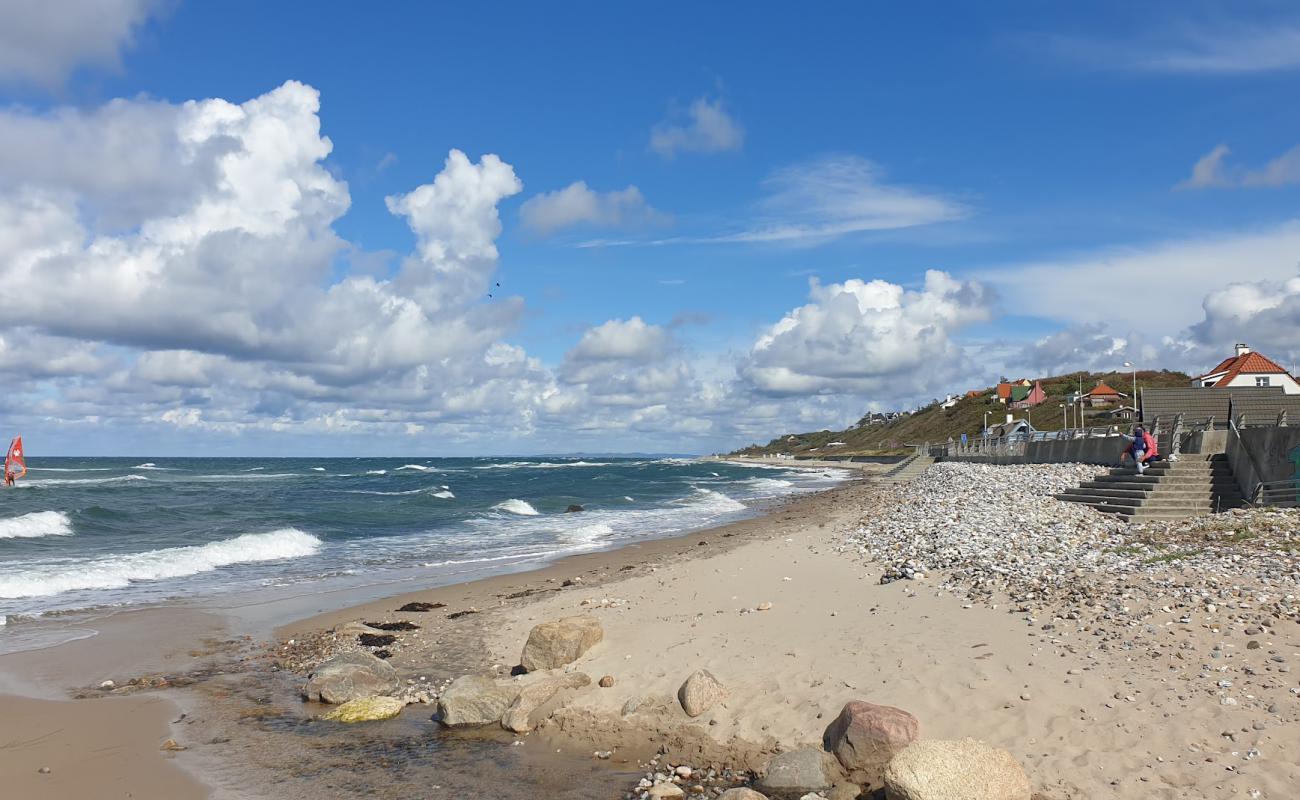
<point x="1142" y="448"/>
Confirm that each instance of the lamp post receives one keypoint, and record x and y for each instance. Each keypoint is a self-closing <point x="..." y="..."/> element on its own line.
<point x="1129" y="365"/>
<point x="1065" y="423"/>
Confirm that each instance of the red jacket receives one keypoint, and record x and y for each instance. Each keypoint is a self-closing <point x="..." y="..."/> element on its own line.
<point x="1148" y="445"/>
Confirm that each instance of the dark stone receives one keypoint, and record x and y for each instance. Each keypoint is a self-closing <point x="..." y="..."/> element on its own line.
<point x="574" y="508"/>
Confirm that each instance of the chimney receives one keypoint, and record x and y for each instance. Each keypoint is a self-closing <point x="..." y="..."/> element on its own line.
<point x="1242" y="349"/>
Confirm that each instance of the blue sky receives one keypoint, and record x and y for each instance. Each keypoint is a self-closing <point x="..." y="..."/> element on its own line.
<point x="1040" y="156"/>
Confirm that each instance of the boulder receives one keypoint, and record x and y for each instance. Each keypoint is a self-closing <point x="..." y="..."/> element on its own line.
<point x="539" y="700"/>
<point x="366" y="709"/>
<point x="554" y="644"/>
<point x="665" y="791"/>
<point x="955" y="769"/>
<point x="473" y="700"/>
<point x="700" y="692"/>
<point x="350" y="676"/>
<point x="741" y="794"/>
<point x="574" y="508"/>
<point x="865" y="736"/>
<point x="799" y="772"/>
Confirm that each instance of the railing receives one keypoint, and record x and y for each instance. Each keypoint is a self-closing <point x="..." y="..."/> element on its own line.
<point x="1284" y="493"/>
<point x="1245" y="469"/>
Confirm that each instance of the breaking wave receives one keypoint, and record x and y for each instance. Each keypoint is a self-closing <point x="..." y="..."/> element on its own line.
<point x="113" y="572"/>
<point x="376" y="472"/>
<point x="445" y="494"/>
<point x="417" y="467"/>
<point x="36" y="525"/>
<point x="520" y="507"/>
<point x="81" y="481"/>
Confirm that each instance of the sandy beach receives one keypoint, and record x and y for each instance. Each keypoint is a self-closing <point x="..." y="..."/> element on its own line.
<point x="787" y="610"/>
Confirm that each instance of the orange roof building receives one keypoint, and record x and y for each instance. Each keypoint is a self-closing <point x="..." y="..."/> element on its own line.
<point x="1248" y="368"/>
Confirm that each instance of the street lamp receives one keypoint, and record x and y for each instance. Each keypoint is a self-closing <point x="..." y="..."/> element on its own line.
<point x="1065" y="423"/>
<point x="1129" y="365"/>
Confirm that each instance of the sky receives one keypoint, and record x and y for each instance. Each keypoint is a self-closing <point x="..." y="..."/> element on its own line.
<point x="469" y="229"/>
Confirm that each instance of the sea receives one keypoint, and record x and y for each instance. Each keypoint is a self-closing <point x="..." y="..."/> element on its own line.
<point x="96" y="533"/>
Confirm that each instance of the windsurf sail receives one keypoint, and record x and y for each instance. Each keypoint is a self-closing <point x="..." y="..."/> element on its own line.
<point x="15" y="461"/>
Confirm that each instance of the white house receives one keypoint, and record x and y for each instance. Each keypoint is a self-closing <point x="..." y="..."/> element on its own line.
<point x="1248" y="368"/>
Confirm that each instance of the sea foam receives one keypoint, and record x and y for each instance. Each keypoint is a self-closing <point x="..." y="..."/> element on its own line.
<point x="113" y="572"/>
<point x="520" y="507"/>
<point x="36" y="525"/>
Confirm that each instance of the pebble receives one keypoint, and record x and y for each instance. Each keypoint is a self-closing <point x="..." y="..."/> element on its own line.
<point x="44" y="770"/>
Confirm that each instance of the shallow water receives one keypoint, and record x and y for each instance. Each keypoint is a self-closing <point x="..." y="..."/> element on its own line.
<point x="88" y="533"/>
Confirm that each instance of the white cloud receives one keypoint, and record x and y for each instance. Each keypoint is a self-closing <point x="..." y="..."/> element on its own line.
<point x="42" y="43"/>
<point x="576" y="204"/>
<point x="1211" y="171"/>
<point x="823" y="199"/>
<point x="1265" y="314"/>
<point x="706" y="128"/>
<point x="871" y="337"/>
<point x="1211" y="48"/>
<point x="1154" y="289"/>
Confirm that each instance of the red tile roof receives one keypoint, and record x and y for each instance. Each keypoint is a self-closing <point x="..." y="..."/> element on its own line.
<point x="1249" y="363"/>
<point x="1102" y="389"/>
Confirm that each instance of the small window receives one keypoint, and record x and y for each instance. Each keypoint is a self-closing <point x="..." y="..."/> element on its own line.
<point x="1262" y="381"/>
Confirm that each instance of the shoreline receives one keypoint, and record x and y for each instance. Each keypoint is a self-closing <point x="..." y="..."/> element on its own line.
<point x="176" y="640"/>
<point x="797" y="612"/>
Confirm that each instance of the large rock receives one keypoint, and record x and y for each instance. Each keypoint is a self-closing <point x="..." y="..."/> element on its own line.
<point x="473" y="700"/>
<point x="799" y="772"/>
<point x="554" y="644"/>
<point x="538" y="700"/>
<point x="865" y="736"/>
<point x="955" y="769"/>
<point x="700" y="692"/>
<point x="367" y="709"/>
<point x="741" y="794"/>
<point x="350" y="676"/>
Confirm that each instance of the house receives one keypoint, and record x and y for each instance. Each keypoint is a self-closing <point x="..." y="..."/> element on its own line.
<point x="1014" y="429"/>
<point x="949" y="401"/>
<point x="1102" y="396"/>
<point x="1248" y="368"/>
<point x="974" y="393"/>
<point x="1006" y="388"/>
<point x="1027" y="396"/>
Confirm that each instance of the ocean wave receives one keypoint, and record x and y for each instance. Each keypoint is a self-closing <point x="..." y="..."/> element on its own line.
<point x="81" y="481"/>
<point x="376" y="472"/>
<point x="445" y="494"/>
<point x="713" y="502"/>
<point x="551" y="465"/>
<point x="317" y="469"/>
<point x="36" y="525"/>
<point x="417" y="467"/>
<point x="254" y="469"/>
<point x="385" y="494"/>
<point x="768" y="484"/>
<point x="261" y="476"/>
<point x="114" y="572"/>
<point x="69" y="469"/>
<point x="151" y="465"/>
<point x="520" y="507"/>
<point x="589" y="534"/>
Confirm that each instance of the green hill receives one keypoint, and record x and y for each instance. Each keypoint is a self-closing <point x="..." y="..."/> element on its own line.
<point x="936" y="424"/>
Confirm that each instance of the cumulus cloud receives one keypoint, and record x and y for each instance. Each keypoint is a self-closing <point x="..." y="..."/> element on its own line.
<point x="706" y="127"/>
<point x="1265" y="314"/>
<point x="576" y="204"/>
<point x="1211" y="171"/>
<point x="42" y="43"/>
<point x="861" y="337"/>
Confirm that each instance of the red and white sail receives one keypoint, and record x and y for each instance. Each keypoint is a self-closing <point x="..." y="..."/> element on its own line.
<point x="15" y="461"/>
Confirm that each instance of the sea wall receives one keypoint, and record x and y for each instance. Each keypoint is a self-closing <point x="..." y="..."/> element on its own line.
<point x="1263" y="455"/>
<point x="1095" y="450"/>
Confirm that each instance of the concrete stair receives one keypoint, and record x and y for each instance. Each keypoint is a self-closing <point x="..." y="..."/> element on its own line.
<point x="907" y="469"/>
<point x="1189" y="487"/>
